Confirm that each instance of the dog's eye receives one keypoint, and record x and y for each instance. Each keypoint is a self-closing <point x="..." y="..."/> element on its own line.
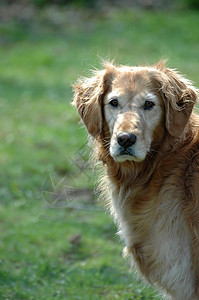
<point x="114" y="103"/>
<point x="148" y="105"/>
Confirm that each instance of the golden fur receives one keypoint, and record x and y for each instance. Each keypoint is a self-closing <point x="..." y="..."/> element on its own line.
<point x="153" y="184"/>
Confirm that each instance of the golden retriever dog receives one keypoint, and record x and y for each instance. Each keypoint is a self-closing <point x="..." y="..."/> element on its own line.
<point x="147" y="137"/>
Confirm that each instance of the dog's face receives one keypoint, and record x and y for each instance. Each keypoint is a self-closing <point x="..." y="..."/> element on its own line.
<point x="131" y="109"/>
<point x="135" y="116"/>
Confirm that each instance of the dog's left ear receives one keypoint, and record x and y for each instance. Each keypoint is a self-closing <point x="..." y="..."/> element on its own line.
<point x="179" y="96"/>
<point x="88" y="99"/>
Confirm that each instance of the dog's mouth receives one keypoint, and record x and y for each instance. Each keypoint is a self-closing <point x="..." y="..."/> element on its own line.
<point x="127" y="151"/>
<point x="125" y="154"/>
<point x="121" y="154"/>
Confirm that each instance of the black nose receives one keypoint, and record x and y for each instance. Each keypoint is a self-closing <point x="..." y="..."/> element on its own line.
<point x="126" y="139"/>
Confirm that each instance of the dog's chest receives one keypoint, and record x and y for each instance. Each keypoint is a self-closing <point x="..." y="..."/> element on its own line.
<point x="133" y="214"/>
<point x="154" y="231"/>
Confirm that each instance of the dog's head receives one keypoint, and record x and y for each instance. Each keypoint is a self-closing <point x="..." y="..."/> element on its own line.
<point x="133" y="108"/>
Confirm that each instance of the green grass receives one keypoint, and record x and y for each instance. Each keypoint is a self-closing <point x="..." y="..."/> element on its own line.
<point x="40" y="135"/>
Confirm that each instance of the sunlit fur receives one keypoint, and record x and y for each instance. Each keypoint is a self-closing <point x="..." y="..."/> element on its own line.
<point x="154" y="194"/>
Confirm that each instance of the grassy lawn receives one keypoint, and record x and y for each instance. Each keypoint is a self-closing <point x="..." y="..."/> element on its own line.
<point x="68" y="249"/>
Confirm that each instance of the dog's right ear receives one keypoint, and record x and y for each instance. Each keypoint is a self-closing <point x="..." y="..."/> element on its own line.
<point x="88" y="98"/>
<point x="179" y="96"/>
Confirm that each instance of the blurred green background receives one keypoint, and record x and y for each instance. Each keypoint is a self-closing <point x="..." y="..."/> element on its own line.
<point x="56" y="241"/>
